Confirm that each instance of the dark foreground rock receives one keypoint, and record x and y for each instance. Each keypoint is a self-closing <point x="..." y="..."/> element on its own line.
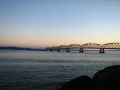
<point x="83" y="83"/>
<point x="106" y="79"/>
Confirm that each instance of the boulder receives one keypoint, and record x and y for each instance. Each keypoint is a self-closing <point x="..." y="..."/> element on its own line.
<point x="108" y="78"/>
<point x="80" y="83"/>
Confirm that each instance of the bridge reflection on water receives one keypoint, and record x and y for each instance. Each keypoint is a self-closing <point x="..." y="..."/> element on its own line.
<point x="80" y="48"/>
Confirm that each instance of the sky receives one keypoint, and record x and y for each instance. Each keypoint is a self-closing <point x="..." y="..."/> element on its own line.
<point x="43" y="23"/>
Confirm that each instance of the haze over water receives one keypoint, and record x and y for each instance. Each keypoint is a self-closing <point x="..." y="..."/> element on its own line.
<point x="34" y="70"/>
<point x="46" y="23"/>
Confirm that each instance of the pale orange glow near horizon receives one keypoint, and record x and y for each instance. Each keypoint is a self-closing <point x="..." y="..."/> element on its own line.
<point x="49" y="42"/>
<point x="53" y="23"/>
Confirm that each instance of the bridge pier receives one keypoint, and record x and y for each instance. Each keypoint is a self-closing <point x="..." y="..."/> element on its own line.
<point x="67" y="49"/>
<point x="102" y="50"/>
<point x="51" y="50"/>
<point x="58" y="50"/>
<point x="81" y="50"/>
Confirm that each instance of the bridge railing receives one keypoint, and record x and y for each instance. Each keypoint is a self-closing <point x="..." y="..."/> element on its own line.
<point x="88" y="45"/>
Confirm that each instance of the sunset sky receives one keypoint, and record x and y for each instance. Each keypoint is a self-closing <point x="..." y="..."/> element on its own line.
<point x="41" y="23"/>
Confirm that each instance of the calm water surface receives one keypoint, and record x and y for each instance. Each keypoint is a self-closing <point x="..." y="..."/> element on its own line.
<point x="34" y="70"/>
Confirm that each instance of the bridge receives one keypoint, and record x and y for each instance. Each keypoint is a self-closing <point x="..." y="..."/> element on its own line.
<point x="81" y="48"/>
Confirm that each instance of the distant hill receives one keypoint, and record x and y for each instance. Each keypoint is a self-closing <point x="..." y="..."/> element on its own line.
<point x="22" y="48"/>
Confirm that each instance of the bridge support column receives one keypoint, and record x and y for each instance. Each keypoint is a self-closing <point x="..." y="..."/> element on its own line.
<point x="58" y="50"/>
<point x="81" y="50"/>
<point x="67" y="49"/>
<point x="51" y="50"/>
<point x="102" y="50"/>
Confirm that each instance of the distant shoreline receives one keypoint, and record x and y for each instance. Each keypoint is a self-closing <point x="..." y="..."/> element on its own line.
<point x="22" y="48"/>
<point x="38" y="49"/>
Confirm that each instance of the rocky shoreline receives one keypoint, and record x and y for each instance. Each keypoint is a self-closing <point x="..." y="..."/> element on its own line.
<point x="106" y="79"/>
